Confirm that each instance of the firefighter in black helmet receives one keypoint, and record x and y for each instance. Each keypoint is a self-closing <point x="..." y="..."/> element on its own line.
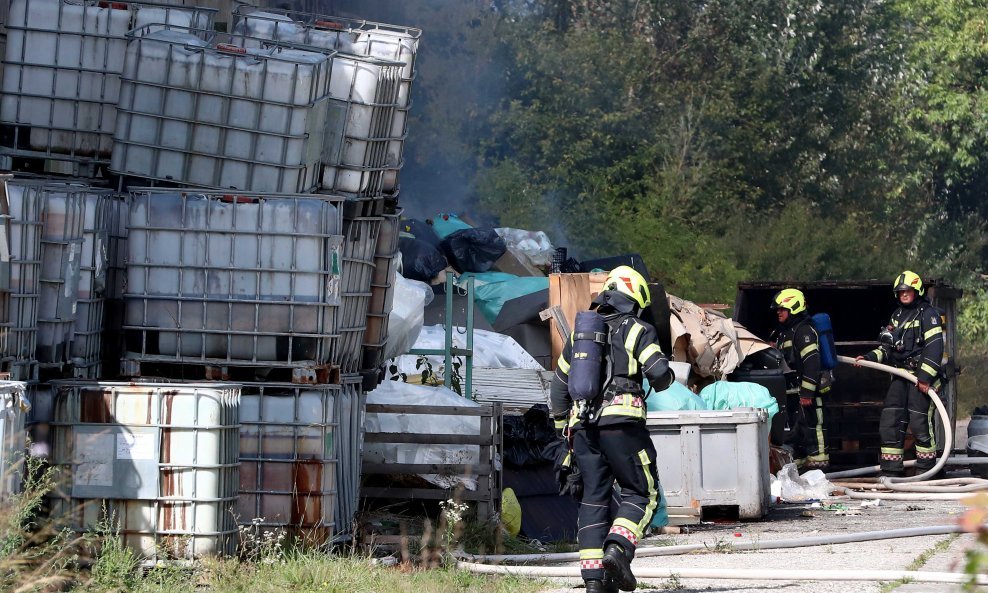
<point x="610" y="441"/>
<point x="913" y="340"/>
<point x="799" y="343"/>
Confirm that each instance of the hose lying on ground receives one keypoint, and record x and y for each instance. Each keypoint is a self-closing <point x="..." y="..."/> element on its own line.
<point x="762" y="574"/>
<point x="907" y="488"/>
<point x="796" y="542"/>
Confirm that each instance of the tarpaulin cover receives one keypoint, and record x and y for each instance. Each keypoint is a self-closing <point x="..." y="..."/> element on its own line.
<point x="676" y="397"/>
<point x="447" y="224"/>
<point x="493" y="289"/>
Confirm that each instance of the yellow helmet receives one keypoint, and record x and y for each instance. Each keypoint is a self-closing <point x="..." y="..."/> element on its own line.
<point x="908" y="280"/>
<point x="628" y="281"/>
<point x="789" y="299"/>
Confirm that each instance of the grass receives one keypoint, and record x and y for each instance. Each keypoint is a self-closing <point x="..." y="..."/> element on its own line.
<point x="36" y="559"/>
<point x="920" y="561"/>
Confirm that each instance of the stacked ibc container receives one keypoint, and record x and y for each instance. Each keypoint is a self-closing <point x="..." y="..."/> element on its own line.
<point x="373" y="70"/>
<point x="249" y="236"/>
<point x="61" y="77"/>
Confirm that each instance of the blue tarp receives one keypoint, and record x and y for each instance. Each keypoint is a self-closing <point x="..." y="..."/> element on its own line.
<point x="728" y="395"/>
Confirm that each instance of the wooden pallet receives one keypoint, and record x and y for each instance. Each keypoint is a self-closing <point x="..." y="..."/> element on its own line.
<point x="305" y="373"/>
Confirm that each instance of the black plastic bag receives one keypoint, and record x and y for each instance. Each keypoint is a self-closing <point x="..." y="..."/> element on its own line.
<point x="473" y="250"/>
<point x="421" y="230"/>
<point x="419" y="260"/>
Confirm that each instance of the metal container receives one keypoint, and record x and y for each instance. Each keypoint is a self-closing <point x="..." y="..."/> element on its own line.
<point x="288" y="458"/>
<point x="14" y="407"/>
<point x="222" y="115"/>
<point x="360" y="242"/>
<point x="160" y="460"/>
<point x="86" y="353"/>
<point x="26" y="204"/>
<point x="370" y="96"/>
<point x="713" y="458"/>
<point x="215" y="278"/>
<point x="61" y="78"/>
<point x="350" y="443"/>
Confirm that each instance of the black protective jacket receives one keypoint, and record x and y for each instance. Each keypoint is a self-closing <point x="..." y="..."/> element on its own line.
<point x="634" y="353"/>
<point x="799" y="343"/>
<point x="917" y="341"/>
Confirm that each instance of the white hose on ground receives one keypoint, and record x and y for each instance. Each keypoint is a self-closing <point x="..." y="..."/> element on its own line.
<point x="795" y="542"/>
<point x="763" y="574"/>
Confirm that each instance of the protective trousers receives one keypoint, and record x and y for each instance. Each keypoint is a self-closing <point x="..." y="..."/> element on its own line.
<point x="622" y="452"/>
<point x="906" y="406"/>
<point x="814" y="435"/>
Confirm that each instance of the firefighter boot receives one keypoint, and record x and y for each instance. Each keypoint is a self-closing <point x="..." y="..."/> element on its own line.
<point x="617" y="566"/>
<point x="605" y="586"/>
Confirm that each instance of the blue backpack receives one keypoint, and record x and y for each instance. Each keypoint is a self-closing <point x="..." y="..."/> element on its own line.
<point x="828" y="350"/>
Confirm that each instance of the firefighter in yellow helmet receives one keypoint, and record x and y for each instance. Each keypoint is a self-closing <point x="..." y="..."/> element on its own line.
<point x="606" y="433"/>
<point x="799" y="343"/>
<point x="913" y="340"/>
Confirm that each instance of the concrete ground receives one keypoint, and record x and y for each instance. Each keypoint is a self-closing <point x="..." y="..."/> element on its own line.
<point x="938" y="553"/>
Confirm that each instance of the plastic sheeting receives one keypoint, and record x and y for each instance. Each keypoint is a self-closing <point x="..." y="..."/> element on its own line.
<point x="399" y="393"/>
<point x="728" y="395"/>
<point x="676" y="397"/>
<point x="490" y="350"/>
<point x="445" y="224"/>
<point x="407" y="315"/>
<point x="535" y="245"/>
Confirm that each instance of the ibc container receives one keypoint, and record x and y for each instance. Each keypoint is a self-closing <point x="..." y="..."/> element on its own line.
<point x="248" y="278"/>
<point x="86" y="352"/>
<point x="359" y="244"/>
<point x="61" y="251"/>
<point x="27" y="203"/>
<point x="159" y="460"/>
<point x="220" y="116"/>
<point x="62" y="66"/>
<point x="350" y="443"/>
<point x="366" y="142"/>
<point x="14" y="407"/>
<point x="713" y="458"/>
<point x="116" y="275"/>
<point x="289" y="452"/>
<point x="382" y="291"/>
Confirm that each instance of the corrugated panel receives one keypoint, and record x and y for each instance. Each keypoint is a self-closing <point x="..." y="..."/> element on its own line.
<point x="515" y="388"/>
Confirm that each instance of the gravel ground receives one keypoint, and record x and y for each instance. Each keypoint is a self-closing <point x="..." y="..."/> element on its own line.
<point x="936" y="553"/>
<point x="803" y="520"/>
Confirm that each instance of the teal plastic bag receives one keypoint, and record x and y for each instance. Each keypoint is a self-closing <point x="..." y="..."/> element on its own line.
<point x="446" y="224"/>
<point x="493" y="289"/>
<point x="661" y="517"/>
<point x="677" y="397"/>
<point x="728" y="395"/>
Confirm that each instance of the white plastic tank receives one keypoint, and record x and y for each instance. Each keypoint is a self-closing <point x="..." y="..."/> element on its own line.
<point x="14" y="408"/>
<point x="233" y="277"/>
<point x="288" y="458"/>
<point x="160" y="459"/>
<point x="62" y="66"/>
<point x="223" y="116"/>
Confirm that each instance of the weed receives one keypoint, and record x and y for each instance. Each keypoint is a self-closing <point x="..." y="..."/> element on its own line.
<point x="920" y="561"/>
<point x="260" y="544"/>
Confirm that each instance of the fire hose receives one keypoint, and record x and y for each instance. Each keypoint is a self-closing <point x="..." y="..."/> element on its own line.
<point x="907" y="488"/>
